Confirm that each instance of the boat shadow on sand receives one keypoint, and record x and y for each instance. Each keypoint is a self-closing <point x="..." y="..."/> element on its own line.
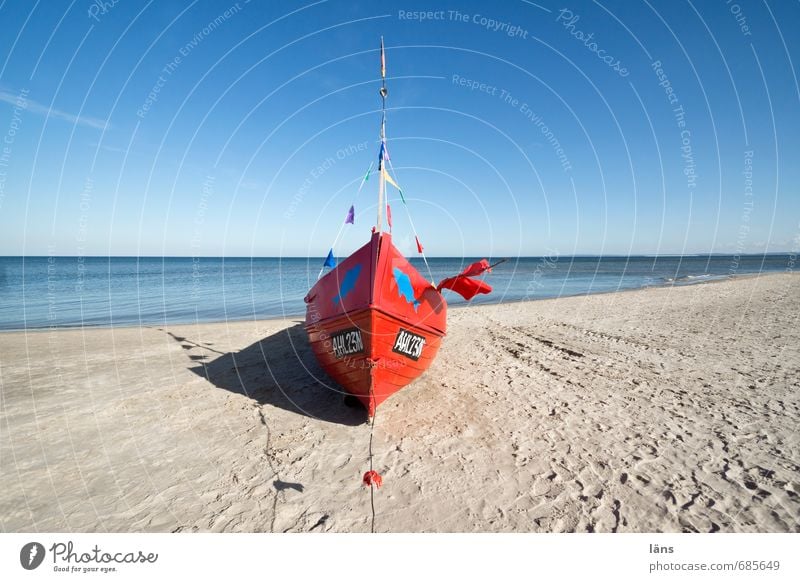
<point x="281" y="371"/>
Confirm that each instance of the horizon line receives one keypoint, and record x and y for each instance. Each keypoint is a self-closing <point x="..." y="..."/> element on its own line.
<point x="509" y="257"/>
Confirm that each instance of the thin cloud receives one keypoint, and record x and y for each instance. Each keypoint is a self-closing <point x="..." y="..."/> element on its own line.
<point x="252" y="185"/>
<point x="111" y="148"/>
<point x="51" y="113"/>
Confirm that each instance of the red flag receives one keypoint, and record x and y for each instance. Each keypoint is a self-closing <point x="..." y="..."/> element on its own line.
<point x="389" y="215"/>
<point x="465" y="286"/>
<point x="419" y="246"/>
<point x="476" y="269"/>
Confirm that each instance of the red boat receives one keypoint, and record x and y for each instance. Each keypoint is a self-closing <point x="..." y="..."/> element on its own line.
<point x="374" y="323"/>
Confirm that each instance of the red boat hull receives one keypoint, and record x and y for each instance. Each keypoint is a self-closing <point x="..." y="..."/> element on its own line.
<point x="374" y="323"/>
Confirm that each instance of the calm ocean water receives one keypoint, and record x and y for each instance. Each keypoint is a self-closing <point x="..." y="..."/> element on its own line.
<point x="40" y="292"/>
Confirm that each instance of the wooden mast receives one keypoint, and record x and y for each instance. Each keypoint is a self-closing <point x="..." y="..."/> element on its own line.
<point x="381" y="179"/>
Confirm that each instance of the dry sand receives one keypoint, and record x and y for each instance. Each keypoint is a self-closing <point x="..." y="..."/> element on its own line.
<point x="669" y="409"/>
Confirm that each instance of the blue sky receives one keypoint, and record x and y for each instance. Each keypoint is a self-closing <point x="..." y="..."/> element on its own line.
<point x="515" y="128"/>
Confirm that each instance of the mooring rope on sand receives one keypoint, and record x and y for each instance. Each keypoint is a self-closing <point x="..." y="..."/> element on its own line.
<point x="371" y="488"/>
<point x="372" y="478"/>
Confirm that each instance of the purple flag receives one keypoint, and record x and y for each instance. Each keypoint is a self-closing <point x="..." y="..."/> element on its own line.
<point x="351" y="216"/>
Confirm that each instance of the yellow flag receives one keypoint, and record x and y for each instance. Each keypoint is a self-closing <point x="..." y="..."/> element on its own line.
<point x="388" y="178"/>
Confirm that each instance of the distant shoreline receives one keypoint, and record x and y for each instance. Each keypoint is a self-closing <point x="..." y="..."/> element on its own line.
<point x="443" y="257"/>
<point x="459" y="306"/>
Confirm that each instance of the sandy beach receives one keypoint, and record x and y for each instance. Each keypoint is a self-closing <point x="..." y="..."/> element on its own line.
<point x="659" y="410"/>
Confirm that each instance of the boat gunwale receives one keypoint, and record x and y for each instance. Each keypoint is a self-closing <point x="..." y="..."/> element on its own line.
<point x="373" y="307"/>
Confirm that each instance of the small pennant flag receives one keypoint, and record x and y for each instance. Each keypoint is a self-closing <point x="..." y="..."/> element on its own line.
<point x="365" y="178"/>
<point x="383" y="154"/>
<point x="383" y="61"/>
<point x="476" y="268"/>
<point x="389" y="215"/>
<point x="403" y="198"/>
<point x="389" y="179"/>
<point x="351" y="215"/>
<point x="330" y="261"/>
<point x="419" y="246"/>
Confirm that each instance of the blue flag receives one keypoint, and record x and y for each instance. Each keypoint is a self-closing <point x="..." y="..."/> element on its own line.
<point x="331" y="260"/>
<point x="351" y="215"/>
<point x="383" y="154"/>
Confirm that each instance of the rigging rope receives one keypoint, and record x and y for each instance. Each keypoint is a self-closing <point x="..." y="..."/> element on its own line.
<point x="371" y="488"/>
<point x="341" y="227"/>
<point x="413" y="228"/>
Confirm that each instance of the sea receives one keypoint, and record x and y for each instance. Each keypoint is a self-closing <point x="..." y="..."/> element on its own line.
<point x="54" y="292"/>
